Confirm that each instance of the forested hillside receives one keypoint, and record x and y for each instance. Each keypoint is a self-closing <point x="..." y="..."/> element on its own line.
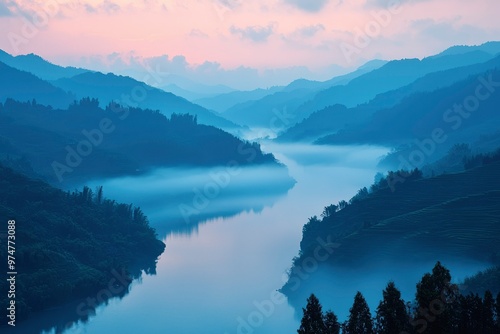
<point x="76" y="243"/>
<point x="87" y="141"/>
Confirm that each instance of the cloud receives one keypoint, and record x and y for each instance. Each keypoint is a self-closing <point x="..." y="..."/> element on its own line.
<point x="232" y="4"/>
<point x="308" y="5"/>
<point x="311" y="30"/>
<point x="5" y="10"/>
<point x="164" y="70"/>
<point x="106" y="6"/>
<point x="452" y="31"/>
<point x="257" y="34"/>
<point x="197" y="33"/>
<point x="387" y="3"/>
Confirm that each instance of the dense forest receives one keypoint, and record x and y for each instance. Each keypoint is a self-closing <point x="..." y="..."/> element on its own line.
<point x="85" y="141"/>
<point x="71" y="245"/>
<point x="439" y="307"/>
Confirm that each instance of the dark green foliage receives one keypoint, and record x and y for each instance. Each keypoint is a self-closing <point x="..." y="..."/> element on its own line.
<point x="312" y="320"/>
<point x="497" y="311"/>
<point x="434" y="293"/>
<point x="121" y="141"/>
<point x="315" y="322"/>
<point x="470" y="312"/>
<point x="436" y="211"/>
<point x="332" y="325"/>
<point x="71" y="244"/>
<point x="488" y="314"/>
<point x="329" y="210"/>
<point x="360" y="320"/>
<point x="392" y="315"/>
<point x="486" y="280"/>
<point x="362" y="193"/>
<point x="481" y="159"/>
<point x="439" y="308"/>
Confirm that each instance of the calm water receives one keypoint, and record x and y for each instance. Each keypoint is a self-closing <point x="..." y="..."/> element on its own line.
<point x="221" y="269"/>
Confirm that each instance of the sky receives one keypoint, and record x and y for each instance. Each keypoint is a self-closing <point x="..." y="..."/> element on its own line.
<point x="219" y="40"/>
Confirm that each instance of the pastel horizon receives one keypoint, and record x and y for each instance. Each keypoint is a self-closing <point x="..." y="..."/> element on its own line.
<point x="232" y="33"/>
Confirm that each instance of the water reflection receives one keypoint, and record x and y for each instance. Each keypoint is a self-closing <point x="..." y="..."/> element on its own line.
<point x="178" y="200"/>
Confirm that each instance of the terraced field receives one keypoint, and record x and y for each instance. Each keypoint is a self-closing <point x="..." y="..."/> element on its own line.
<point x="452" y="215"/>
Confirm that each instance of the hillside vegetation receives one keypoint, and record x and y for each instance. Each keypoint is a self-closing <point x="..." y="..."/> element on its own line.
<point x="86" y="141"/>
<point x="405" y="217"/>
<point x="70" y="245"/>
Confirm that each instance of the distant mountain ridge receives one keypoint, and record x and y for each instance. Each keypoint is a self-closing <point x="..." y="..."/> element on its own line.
<point x="73" y="83"/>
<point x="130" y="92"/>
<point x="306" y="97"/>
<point x="23" y="86"/>
<point x="330" y="120"/>
<point x="262" y="112"/>
<point x="38" y="66"/>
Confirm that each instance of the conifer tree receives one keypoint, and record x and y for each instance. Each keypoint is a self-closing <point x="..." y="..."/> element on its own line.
<point x="360" y="320"/>
<point x="497" y="312"/>
<point x="488" y="314"/>
<point x="312" y="321"/>
<point x="332" y="325"/>
<point x="392" y="316"/>
<point x="434" y="297"/>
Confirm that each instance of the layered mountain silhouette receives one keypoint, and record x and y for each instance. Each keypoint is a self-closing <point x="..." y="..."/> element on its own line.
<point x="24" y="86"/>
<point x="76" y="84"/>
<point x="38" y="66"/>
<point x="332" y="120"/>
<point x="357" y="88"/>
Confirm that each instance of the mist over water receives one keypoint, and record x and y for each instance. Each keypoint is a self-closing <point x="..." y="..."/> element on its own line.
<point x="223" y="278"/>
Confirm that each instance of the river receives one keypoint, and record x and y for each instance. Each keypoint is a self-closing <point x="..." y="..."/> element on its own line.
<point x="220" y="272"/>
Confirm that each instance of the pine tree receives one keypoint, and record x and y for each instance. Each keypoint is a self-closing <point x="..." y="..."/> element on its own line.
<point x="434" y="296"/>
<point x="497" y="312"/>
<point x="360" y="320"/>
<point x="392" y="316"/>
<point x="332" y="325"/>
<point x="312" y="321"/>
<point x="488" y="313"/>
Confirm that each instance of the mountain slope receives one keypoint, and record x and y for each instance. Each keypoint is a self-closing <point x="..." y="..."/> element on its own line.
<point x="331" y="120"/>
<point x="393" y="75"/>
<point x="407" y="219"/>
<point x="223" y="102"/>
<point x="261" y="113"/>
<point x="24" y="86"/>
<point x="84" y="142"/>
<point x="129" y="92"/>
<point x="39" y="66"/>
<point x="418" y="115"/>
<point x="71" y="245"/>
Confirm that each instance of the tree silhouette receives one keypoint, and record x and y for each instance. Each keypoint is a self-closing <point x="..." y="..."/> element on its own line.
<point x="332" y="325"/>
<point x="433" y="293"/>
<point x="329" y="210"/>
<point x="488" y="314"/>
<point x="312" y="321"/>
<point x="392" y="316"/>
<point x="497" y="312"/>
<point x="360" y="320"/>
